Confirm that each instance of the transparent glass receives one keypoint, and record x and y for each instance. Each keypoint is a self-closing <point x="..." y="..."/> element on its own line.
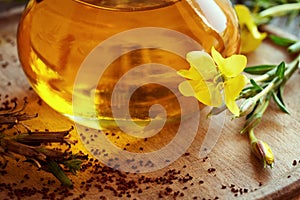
<point x="55" y="38"/>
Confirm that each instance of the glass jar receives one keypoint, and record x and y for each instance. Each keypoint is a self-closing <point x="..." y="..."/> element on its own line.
<point x="65" y="49"/>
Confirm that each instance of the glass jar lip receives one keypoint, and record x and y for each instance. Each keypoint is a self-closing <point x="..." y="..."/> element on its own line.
<point x="129" y="6"/>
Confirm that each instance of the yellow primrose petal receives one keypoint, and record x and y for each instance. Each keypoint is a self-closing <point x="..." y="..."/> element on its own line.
<point x="203" y="63"/>
<point x="213" y="93"/>
<point x="251" y="37"/>
<point x="205" y="92"/>
<point x="231" y="66"/>
<point x="269" y="157"/>
<point x="190" y="74"/>
<point x="245" y="18"/>
<point x="217" y="57"/>
<point x="186" y="88"/>
<point x="232" y="89"/>
<point x="249" y="43"/>
<point x="243" y="13"/>
<point x="234" y="65"/>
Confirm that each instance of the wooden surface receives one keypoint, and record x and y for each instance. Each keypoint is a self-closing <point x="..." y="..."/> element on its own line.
<point x="229" y="172"/>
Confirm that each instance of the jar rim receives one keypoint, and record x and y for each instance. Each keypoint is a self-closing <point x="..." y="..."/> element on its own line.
<point x="127" y="6"/>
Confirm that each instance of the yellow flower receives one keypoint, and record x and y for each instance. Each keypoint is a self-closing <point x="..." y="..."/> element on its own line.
<point x="263" y="151"/>
<point x="231" y="69"/>
<point x="250" y="36"/>
<point x="202" y="84"/>
<point x="208" y="76"/>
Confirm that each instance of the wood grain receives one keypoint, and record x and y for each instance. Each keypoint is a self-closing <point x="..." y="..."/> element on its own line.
<point x="229" y="172"/>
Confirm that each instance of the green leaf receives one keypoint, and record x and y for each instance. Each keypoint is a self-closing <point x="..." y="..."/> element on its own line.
<point x="256" y="86"/>
<point x="280" y="70"/>
<point x="280" y="103"/>
<point x="57" y="171"/>
<point x="281" y="41"/>
<point x="73" y="165"/>
<point x="280" y="93"/>
<point x="259" y="69"/>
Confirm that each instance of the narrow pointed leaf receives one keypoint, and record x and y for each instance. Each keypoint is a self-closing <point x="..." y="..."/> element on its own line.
<point x="256" y="86"/>
<point x="280" y="93"/>
<point x="57" y="171"/>
<point x="280" y="70"/>
<point x="259" y="69"/>
<point x="73" y="165"/>
<point x="280" y="103"/>
<point x="281" y="41"/>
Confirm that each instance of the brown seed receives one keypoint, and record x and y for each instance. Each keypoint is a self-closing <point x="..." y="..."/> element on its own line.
<point x="234" y="190"/>
<point x="210" y="170"/>
<point x="294" y="162"/>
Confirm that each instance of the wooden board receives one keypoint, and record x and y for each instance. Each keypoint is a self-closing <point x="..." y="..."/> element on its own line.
<point x="230" y="171"/>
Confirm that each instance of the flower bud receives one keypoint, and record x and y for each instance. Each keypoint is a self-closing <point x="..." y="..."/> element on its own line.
<point x="247" y="106"/>
<point x="263" y="151"/>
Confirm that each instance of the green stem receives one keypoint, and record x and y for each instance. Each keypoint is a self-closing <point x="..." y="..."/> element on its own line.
<point x="265" y="91"/>
<point x="294" y="47"/>
<point x="261" y="78"/>
<point x="279" y="10"/>
<point x="252" y="136"/>
<point x="266" y="76"/>
<point x="292" y="67"/>
<point x="256" y="116"/>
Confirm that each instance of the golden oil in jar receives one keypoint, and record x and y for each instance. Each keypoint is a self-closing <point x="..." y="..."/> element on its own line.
<point x="55" y="37"/>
